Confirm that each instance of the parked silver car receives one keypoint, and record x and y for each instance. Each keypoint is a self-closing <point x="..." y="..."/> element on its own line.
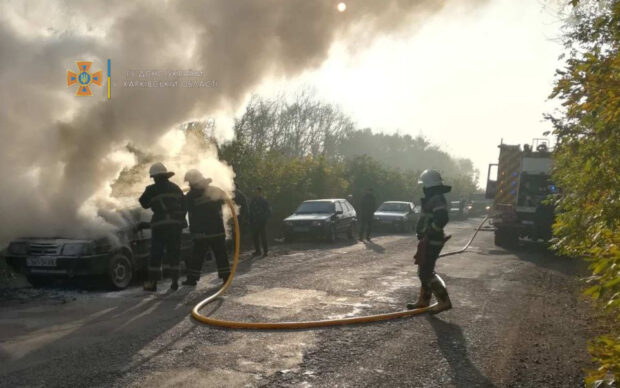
<point x="396" y="215"/>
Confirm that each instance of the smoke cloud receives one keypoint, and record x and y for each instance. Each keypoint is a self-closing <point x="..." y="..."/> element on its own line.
<point x="60" y="153"/>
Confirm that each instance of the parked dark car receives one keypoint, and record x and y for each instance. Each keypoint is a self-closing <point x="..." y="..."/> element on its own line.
<point x="322" y="218"/>
<point x="118" y="257"/>
<point x="458" y="210"/>
<point x="396" y="215"/>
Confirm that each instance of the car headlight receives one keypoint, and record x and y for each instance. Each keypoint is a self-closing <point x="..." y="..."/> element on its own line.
<point x="18" y="248"/>
<point x="72" y="249"/>
<point x="488" y="207"/>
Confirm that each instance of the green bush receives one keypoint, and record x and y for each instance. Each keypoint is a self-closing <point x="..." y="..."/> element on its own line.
<point x="587" y="164"/>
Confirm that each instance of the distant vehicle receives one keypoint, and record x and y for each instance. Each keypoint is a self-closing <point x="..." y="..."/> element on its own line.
<point x="118" y="257"/>
<point x="522" y="183"/>
<point x="322" y="218"/>
<point x="479" y="208"/>
<point x="458" y="210"/>
<point x="397" y="215"/>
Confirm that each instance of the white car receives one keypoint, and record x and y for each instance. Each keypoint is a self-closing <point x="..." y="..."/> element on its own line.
<point x="396" y="215"/>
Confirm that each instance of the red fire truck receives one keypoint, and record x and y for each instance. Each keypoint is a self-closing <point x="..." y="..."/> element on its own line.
<point x="519" y="184"/>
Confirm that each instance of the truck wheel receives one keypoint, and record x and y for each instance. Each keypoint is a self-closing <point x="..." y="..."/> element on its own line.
<point x="506" y="238"/>
<point x="120" y="271"/>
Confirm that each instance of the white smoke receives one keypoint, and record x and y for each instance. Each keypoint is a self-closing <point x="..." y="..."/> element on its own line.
<point x="60" y="153"/>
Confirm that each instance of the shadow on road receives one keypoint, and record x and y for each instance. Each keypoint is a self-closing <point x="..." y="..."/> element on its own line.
<point x="541" y="255"/>
<point x="374" y="246"/>
<point x="453" y="346"/>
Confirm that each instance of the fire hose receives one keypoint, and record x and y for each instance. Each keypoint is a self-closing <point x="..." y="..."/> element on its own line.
<point x="301" y="324"/>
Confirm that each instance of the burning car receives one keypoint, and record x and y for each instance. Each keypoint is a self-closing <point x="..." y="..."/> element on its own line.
<point x="118" y="257"/>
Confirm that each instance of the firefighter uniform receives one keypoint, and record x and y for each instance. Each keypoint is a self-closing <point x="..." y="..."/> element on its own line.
<point x="206" y="224"/>
<point x="166" y="201"/>
<point x="431" y="238"/>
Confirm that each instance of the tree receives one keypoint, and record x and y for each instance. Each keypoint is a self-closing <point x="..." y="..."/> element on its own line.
<point x="587" y="163"/>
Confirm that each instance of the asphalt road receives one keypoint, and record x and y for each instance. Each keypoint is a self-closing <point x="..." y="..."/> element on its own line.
<point x="518" y="321"/>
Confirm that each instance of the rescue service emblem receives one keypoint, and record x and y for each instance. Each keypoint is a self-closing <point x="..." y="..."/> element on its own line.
<point x="83" y="78"/>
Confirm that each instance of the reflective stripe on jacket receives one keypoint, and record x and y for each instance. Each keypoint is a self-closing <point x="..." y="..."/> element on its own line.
<point x="204" y="205"/>
<point x="433" y="219"/>
<point x="166" y="201"/>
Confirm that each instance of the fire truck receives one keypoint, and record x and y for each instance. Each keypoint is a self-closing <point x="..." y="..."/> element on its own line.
<point x="519" y="185"/>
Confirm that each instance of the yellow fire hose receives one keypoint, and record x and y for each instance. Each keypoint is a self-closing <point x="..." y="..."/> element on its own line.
<point x="296" y="325"/>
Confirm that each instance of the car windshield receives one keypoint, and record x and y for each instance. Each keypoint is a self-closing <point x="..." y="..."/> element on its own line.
<point x="394" y="207"/>
<point x="315" y="207"/>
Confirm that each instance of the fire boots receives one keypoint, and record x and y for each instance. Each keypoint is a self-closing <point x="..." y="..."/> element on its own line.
<point x="438" y="288"/>
<point x="424" y="299"/>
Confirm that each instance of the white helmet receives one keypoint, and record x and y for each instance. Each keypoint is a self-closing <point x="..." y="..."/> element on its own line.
<point x="430" y="178"/>
<point x="193" y="176"/>
<point x="159" y="169"/>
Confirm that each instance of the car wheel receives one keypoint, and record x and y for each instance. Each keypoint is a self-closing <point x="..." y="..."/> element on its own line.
<point x="120" y="271"/>
<point x="332" y="234"/>
<point x="39" y="281"/>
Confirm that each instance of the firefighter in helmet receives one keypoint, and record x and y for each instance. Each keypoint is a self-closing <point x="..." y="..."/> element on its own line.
<point x="206" y="224"/>
<point x="166" y="201"/>
<point x="431" y="238"/>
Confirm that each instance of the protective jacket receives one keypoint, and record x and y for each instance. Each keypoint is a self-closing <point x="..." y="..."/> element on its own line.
<point x="166" y="201"/>
<point x="434" y="215"/>
<point x="204" y="206"/>
<point x="260" y="211"/>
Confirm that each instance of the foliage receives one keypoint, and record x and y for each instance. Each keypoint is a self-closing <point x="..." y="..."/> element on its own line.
<point x="303" y="149"/>
<point x="587" y="162"/>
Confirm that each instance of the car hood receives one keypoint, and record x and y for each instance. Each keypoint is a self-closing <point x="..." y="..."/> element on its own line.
<point x="308" y="217"/>
<point x="390" y="214"/>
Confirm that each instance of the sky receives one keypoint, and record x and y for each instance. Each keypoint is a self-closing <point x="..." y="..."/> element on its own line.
<point x="464" y="81"/>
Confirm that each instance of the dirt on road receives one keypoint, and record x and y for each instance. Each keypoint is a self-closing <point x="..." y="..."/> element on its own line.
<point x="518" y="321"/>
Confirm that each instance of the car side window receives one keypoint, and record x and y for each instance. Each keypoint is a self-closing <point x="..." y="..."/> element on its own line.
<point x="338" y="206"/>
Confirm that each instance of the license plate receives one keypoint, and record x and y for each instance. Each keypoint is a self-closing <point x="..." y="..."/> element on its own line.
<point x="41" y="261"/>
<point x="301" y="229"/>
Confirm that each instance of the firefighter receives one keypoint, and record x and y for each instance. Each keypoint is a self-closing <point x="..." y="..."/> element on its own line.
<point x="431" y="238"/>
<point x="368" y="207"/>
<point x="166" y="201"/>
<point x="260" y="211"/>
<point x="206" y="224"/>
